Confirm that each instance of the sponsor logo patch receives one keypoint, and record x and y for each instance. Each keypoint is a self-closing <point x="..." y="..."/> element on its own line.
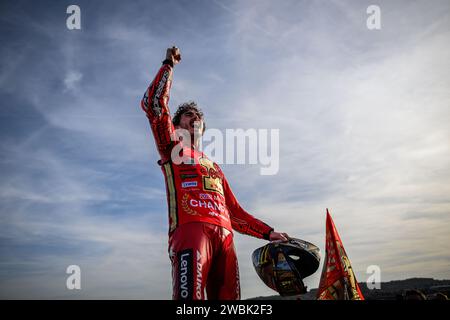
<point x="189" y="184"/>
<point x="185" y="275"/>
<point x="198" y="282"/>
<point x="189" y="176"/>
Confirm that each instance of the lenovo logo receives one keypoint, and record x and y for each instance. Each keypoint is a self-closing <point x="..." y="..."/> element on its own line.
<point x="185" y="276"/>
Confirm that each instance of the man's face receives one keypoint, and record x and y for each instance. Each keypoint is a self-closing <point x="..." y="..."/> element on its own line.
<point x="192" y="121"/>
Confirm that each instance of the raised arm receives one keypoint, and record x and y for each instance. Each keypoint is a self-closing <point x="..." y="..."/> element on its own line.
<point x="155" y="104"/>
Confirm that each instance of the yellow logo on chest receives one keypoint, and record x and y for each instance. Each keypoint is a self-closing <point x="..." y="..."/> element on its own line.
<point x="212" y="178"/>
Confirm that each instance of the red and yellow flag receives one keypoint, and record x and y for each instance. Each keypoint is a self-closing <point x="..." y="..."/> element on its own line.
<point x="338" y="282"/>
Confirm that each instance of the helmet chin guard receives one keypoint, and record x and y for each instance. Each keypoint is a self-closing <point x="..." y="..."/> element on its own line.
<point x="283" y="265"/>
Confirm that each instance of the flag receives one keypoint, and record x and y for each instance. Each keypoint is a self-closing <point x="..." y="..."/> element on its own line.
<point x="338" y="282"/>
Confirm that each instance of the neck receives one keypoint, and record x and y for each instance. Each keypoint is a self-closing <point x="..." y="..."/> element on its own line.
<point x="195" y="143"/>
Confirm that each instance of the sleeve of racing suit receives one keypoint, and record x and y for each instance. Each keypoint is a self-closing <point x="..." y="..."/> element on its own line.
<point x="155" y="104"/>
<point x="241" y="220"/>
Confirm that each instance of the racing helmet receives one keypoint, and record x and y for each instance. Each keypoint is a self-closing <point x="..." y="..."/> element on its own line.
<point x="283" y="265"/>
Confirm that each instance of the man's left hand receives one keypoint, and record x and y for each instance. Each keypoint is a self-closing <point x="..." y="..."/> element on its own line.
<point x="278" y="236"/>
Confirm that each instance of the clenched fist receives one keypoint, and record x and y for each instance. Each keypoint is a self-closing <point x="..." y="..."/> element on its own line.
<point x="174" y="55"/>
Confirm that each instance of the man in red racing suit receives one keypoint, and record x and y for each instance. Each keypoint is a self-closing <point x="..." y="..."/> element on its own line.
<point x="203" y="210"/>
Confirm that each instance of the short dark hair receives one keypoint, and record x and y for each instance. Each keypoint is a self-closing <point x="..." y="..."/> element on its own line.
<point x="185" y="107"/>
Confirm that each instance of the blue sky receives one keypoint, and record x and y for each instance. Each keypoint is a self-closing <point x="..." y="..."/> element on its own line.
<point x="363" y="118"/>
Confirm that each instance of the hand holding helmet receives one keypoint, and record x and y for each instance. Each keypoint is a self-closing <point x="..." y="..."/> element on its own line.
<point x="278" y="236"/>
<point x="283" y="265"/>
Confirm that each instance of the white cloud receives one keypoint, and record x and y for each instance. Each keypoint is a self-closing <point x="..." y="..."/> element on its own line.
<point x="363" y="121"/>
<point x="72" y="79"/>
<point x="119" y="254"/>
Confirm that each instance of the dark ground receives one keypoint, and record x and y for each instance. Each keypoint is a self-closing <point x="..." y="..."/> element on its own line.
<point x="392" y="290"/>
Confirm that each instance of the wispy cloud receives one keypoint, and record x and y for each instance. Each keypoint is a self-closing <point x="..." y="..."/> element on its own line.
<point x="363" y="119"/>
<point x="72" y="79"/>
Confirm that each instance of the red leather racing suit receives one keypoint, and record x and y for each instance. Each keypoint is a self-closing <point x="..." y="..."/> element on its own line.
<point x="203" y="210"/>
